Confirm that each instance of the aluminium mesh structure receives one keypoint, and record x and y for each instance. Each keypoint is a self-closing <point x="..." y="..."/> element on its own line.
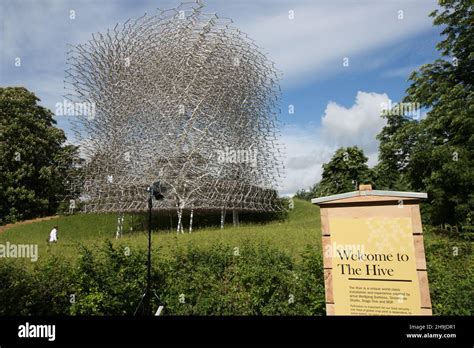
<point x="181" y="97"/>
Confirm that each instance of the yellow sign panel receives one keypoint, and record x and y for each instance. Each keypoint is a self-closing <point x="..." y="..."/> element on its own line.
<point x="374" y="267"/>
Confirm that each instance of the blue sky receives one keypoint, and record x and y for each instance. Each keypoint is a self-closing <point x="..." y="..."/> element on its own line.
<point x="335" y="105"/>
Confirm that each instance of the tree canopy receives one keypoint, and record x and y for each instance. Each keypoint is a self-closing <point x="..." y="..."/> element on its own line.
<point x="347" y="168"/>
<point x="32" y="151"/>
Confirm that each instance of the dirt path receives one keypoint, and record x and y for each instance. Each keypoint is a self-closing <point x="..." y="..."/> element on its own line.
<point x="6" y="227"/>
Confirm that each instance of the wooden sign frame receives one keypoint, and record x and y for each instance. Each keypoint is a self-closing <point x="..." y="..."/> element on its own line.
<point x="367" y="203"/>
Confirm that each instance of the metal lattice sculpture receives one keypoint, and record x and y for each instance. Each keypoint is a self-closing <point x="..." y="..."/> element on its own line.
<point x="181" y="97"/>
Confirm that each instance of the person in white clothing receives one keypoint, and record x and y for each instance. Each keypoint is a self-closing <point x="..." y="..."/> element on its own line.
<point x="53" y="235"/>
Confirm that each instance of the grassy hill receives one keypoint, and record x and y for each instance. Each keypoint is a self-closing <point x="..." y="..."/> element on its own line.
<point x="301" y="228"/>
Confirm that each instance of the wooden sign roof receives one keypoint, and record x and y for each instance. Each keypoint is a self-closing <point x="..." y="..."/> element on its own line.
<point x="366" y="194"/>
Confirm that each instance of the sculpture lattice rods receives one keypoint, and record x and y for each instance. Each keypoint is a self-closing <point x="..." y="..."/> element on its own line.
<point x="181" y="97"/>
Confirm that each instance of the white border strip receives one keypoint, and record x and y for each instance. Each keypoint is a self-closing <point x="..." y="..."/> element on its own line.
<point x="420" y="195"/>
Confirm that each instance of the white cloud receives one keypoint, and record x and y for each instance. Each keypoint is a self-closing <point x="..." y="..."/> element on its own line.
<point x="305" y="153"/>
<point x="356" y="125"/>
<point x="39" y="33"/>
<point x="308" y="148"/>
<point x="308" y="47"/>
<point x="314" y="43"/>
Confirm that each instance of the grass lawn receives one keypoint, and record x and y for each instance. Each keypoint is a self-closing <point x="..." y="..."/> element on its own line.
<point x="302" y="228"/>
<point x="292" y="236"/>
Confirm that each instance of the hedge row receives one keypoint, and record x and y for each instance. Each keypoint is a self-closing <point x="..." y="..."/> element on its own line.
<point x="256" y="279"/>
<point x="253" y="280"/>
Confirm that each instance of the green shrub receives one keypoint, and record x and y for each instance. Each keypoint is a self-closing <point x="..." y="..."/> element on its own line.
<point x="252" y="280"/>
<point x="52" y="286"/>
<point x="255" y="279"/>
<point x="109" y="281"/>
<point x="15" y="287"/>
<point x="450" y="264"/>
<point x="40" y="290"/>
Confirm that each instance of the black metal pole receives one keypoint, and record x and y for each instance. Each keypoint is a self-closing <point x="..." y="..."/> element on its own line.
<point x="145" y="302"/>
<point x="148" y="282"/>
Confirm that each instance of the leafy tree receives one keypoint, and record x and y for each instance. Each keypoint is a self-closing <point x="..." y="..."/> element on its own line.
<point x="436" y="154"/>
<point x="31" y="157"/>
<point x="312" y="192"/>
<point x="385" y="178"/>
<point x="347" y="168"/>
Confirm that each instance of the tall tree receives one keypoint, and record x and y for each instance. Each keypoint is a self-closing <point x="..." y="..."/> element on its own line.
<point x="31" y="157"/>
<point x="436" y="154"/>
<point x="347" y="168"/>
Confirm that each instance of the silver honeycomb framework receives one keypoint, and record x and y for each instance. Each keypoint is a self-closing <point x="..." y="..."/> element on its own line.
<point x="181" y="97"/>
